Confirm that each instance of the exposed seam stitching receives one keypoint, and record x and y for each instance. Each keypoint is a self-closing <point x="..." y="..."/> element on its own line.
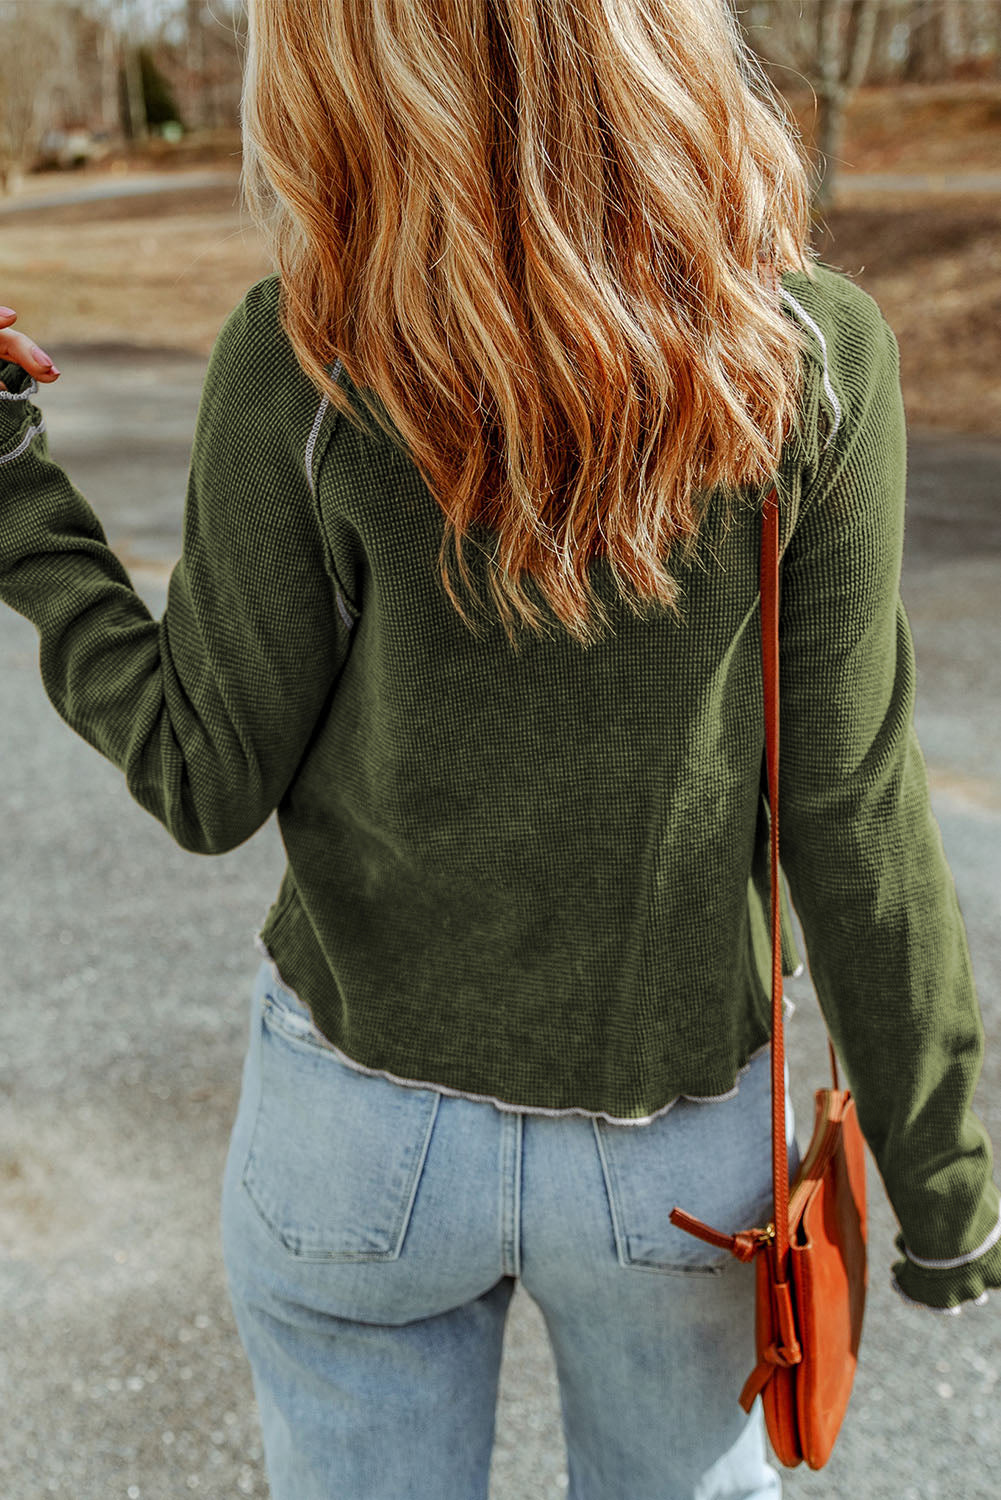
<point x="32" y="432"/>
<point x="342" y="611"/>
<point x="519" y="1146"/>
<point x="959" y="1260"/>
<point x="21" y="395"/>
<point x="828" y="387"/>
<point x="317" y="423"/>
<point x="510" y="1195"/>
<point x="311" y="441"/>
<point x="518" y="1109"/>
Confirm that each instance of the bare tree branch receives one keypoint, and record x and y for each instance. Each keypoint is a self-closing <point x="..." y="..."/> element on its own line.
<point x="34" y="43"/>
<point x="866" y="19"/>
<point x="832" y="42"/>
<point x="784" y="39"/>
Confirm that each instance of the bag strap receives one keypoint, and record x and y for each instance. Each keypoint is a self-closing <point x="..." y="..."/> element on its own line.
<point x="769" y="586"/>
<point x="747" y="1243"/>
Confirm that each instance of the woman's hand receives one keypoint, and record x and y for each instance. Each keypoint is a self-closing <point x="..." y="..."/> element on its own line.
<point x="18" y="348"/>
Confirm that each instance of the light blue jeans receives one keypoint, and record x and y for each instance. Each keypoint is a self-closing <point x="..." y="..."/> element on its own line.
<point x="373" y="1234"/>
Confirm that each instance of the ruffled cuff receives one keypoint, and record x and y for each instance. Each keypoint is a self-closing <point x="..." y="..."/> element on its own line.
<point x="20" y="385"/>
<point x="20" y="422"/>
<point x="948" y="1312"/>
<point x="944" y="1285"/>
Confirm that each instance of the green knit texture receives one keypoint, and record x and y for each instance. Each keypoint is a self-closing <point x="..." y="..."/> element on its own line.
<point x="539" y="875"/>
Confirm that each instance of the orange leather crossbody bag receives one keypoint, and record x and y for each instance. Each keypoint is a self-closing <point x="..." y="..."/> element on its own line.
<point x="811" y="1267"/>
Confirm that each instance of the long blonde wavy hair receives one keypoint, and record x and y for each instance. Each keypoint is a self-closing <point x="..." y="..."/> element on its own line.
<point x="542" y="234"/>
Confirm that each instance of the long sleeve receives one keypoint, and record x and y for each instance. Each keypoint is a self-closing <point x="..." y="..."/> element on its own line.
<point x="209" y="710"/>
<point x="862" y="850"/>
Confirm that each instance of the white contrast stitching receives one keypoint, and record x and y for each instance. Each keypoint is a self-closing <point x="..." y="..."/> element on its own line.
<point x="317" y="423"/>
<point x="828" y="387"/>
<point x="518" y="1109"/>
<point x="32" y="432"/>
<point x="311" y="443"/>
<point x="959" y="1260"/>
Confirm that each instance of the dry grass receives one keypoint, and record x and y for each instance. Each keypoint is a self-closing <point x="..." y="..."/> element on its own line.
<point x="164" y="271"/>
<point x="917" y="128"/>
<point x="158" y="271"/>
<point x="934" y="267"/>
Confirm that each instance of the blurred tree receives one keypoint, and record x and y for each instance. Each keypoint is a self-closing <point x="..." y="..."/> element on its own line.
<point x="931" y="36"/>
<point x="158" y="96"/>
<point x="924" y="40"/>
<point x="207" y="67"/>
<point x="826" y="43"/>
<point x="194" y="25"/>
<point x="846" y="30"/>
<point x="128" y="21"/>
<point x="945" y="38"/>
<point x="35" y="53"/>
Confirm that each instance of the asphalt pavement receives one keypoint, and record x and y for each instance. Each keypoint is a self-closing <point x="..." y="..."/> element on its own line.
<point x="128" y="965"/>
<point x="57" y="191"/>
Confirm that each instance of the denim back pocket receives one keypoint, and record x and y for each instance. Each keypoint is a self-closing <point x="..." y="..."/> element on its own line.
<point x="335" y="1155"/>
<point x="712" y="1159"/>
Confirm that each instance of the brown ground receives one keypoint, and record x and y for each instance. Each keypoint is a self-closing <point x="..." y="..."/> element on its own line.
<point x="164" y="271"/>
<point x="918" y="128"/>
<point x="933" y="263"/>
<point x="159" y="270"/>
<point x="934" y="267"/>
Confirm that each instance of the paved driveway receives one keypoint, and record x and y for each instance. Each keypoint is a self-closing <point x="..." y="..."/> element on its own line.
<point x="128" y="965"/>
<point x="56" y="191"/>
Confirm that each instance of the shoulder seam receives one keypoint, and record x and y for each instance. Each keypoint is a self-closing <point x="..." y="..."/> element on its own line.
<point x="829" y="391"/>
<point x="314" y="432"/>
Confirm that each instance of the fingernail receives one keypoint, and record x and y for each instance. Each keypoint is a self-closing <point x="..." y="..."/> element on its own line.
<point x="53" y="371"/>
<point x="7" y="312"/>
<point x="41" y="356"/>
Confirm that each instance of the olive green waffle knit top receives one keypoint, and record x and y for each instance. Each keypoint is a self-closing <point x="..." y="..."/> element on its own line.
<point x="538" y="875"/>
